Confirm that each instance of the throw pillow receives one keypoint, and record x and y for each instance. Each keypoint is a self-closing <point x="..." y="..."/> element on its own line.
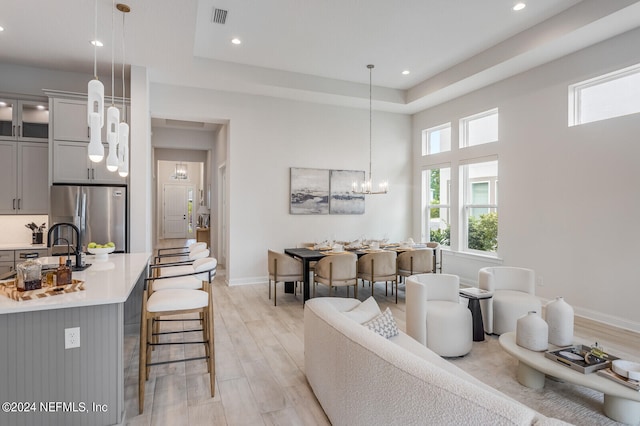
<point x="383" y="324"/>
<point x="365" y="311"/>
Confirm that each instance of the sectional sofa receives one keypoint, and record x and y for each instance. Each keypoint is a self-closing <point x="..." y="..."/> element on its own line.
<point x="362" y="378"/>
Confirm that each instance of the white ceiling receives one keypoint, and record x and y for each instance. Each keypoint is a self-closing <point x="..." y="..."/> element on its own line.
<point x="316" y="50"/>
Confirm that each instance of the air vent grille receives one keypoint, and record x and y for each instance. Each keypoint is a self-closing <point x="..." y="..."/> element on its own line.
<point x="219" y="16"/>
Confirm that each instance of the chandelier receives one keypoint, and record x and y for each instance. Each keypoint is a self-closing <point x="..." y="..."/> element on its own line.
<point x="181" y="171"/>
<point x="366" y="187"/>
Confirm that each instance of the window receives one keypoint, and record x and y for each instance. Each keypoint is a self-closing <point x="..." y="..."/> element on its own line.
<point x="479" y="129"/>
<point x="611" y="95"/>
<point x="436" y="212"/>
<point x="436" y="139"/>
<point x="480" y="205"/>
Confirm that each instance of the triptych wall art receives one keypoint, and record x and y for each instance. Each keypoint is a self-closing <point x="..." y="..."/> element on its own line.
<point x="321" y="191"/>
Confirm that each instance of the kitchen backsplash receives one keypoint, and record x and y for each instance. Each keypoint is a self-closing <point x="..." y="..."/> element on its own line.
<point x="14" y="230"/>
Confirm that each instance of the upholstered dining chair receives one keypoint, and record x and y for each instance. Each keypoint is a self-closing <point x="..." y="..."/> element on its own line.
<point x="513" y="296"/>
<point x="413" y="262"/>
<point x="337" y="270"/>
<point x="437" y="255"/>
<point x="377" y="267"/>
<point x="435" y="317"/>
<point x="171" y="302"/>
<point x="283" y="268"/>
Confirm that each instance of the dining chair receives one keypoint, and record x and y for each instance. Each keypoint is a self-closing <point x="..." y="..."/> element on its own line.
<point x="171" y="302"/>
<point x="337" y="270"/>
<point x="283" y="268"/>
<point x="378" y="267"/>
<point x="437" y="255"/>
<point x="514" y="296"/>
<point x="413" y="262"/>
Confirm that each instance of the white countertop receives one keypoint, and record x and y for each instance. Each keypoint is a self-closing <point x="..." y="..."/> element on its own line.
<point x="22" y="246"/>
<point x="107" y="281"/>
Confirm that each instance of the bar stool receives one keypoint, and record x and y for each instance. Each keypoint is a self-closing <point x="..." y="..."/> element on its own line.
<point x="179" y="251"/>
<point x="176" y="301"/>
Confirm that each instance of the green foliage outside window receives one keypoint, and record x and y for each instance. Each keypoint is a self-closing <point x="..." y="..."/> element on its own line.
<point x="435" y="189"/>
<point x="483" y="232"/>
<point x="441" y="236"/>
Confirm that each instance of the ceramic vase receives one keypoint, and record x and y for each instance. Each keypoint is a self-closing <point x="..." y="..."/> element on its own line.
<point x="532" y="332"/>
<point x="559" y="315"/>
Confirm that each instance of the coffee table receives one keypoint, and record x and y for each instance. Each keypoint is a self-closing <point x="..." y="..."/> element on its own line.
<point x="621" y="404"/>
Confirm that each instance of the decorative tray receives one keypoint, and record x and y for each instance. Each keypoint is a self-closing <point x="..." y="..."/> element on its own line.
<point x="580" y="358"/>
<point x="8" y="289"/>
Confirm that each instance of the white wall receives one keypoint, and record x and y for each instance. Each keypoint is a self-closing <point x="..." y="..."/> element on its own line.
<point x="569" y="204"/>
<point x="14" y="231"/>
<point x="31" y="81"/>
<point x="266" y="137"/>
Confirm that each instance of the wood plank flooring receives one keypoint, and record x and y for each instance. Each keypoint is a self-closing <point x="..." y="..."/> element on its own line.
<point x="259" y="362"/>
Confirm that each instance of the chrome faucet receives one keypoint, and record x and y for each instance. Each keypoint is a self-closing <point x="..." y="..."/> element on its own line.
<point x="78" y="249"/>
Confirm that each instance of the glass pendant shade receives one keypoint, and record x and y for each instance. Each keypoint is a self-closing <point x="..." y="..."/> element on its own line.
<point x="113" y="119"/>
<point x="95" y="101"/>
<point x="123" y="149"/>
<point x="96" y="149"/>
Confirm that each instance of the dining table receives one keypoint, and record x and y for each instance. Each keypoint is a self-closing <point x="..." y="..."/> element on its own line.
<point x="307" y="256"/>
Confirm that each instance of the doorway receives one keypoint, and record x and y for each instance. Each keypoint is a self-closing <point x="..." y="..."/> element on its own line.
<point x="178" y="211"/>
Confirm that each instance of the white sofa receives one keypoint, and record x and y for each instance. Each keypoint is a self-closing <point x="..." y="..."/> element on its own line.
<point x="362" y="378"/>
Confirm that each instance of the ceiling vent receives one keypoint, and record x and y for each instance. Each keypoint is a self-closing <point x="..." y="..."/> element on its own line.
<point x="219" y="16"/>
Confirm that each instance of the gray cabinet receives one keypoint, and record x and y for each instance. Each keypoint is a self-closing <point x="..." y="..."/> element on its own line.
<point x="24" y="188"/>
<point x="6" y="261"/>
<point x="10" y="258"/>
<point x="70" y="160"/>
<point x="24" y="120"/>
<point x="71" y="164"/>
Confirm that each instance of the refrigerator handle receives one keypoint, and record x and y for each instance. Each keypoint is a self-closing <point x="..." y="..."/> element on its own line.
<point x="83" y="213"/>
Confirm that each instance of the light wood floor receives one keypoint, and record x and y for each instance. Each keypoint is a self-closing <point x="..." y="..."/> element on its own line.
<point x="260" y="362"/>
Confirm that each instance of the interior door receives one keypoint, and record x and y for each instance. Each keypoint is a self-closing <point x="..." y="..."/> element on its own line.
<point x="176" y="211"/>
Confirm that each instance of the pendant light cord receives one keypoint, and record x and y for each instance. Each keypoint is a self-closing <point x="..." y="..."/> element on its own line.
<point x="123" y="59"/>
<point x="95" y="41"/>
<point x="370" y="121"/>
<point x="113" y="13"/>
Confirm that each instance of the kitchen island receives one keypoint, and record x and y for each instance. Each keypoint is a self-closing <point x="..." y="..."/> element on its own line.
<point x="44" y="383"/>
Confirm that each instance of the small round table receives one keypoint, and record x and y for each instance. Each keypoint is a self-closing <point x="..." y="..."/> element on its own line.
<point x="474" y="295"/>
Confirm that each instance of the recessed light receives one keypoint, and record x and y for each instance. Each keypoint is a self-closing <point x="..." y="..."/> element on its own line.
<point x="519" y="6"/>
<point x="40" y="107"/>
<point x="3" y="104"/>
<point x="236" y="40"/>
<point x="406" y="72"/>
<point x="1" y="29"/>
<point x="96" y="43"/>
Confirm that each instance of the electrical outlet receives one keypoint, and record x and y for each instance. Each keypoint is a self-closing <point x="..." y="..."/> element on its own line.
<point x="540" y="281"/>
<point x="72" y="337"/>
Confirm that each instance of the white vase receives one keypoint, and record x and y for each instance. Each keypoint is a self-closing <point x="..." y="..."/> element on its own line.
<point x="532" y="332"/>
<point x="559" y="315"/>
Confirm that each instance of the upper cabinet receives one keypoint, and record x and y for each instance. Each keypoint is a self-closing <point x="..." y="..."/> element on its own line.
<point x="70" y="136"/>
<point x="24" y="120"/>
<point x="24" y="188"/>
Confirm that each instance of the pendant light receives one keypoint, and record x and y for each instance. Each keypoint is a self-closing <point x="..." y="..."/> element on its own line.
<point x="366" y="187"/>
<point x="113" y="113"/>
<point x="123" y="128"/>
<point x="95" y="102"/>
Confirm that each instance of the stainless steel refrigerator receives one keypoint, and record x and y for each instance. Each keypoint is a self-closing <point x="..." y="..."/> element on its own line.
<point x="100" y="212"/>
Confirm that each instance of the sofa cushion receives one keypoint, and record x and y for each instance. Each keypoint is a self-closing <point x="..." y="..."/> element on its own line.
<point x="364" y="311"/>
<point x="383" y="324"/>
